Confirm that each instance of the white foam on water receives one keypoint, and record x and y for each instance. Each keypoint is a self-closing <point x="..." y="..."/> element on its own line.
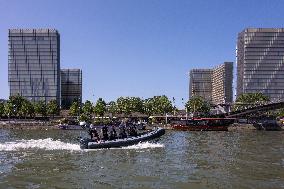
<point x="46" y="144"/>
<point x="139" y="146"/>
<point x="144" y="145"/>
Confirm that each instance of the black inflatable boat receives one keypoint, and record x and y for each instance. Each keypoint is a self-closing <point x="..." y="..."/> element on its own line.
<point x="87" y="143"/>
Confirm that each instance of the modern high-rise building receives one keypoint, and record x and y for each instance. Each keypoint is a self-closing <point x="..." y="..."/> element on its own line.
<point x="260" y="62"/>
<point x="200" y="83"/>
<point x="214" y="85"/>
<point x="34" y="64"/>
<point x="222" y="84"/>
<point x="71" y="87"/>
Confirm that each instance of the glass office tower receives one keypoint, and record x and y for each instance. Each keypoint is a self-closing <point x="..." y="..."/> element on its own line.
<point x="260" y="62"/>
<point x="71" y="87"/>
<point x="200" y="83"/>
<point x="215" y="85"/>
<point x="34" y="64"/>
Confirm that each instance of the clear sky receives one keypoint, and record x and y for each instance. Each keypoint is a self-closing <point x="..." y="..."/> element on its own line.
<point x="138" y="47"/>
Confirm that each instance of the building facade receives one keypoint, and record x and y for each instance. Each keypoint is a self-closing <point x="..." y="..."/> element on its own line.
<point x="71" y="87"/>
<point x="200" y="83"/>
<point x="260" y="62"/>
<point x="222" y="84"/>
<point x="34" y="64"/>
<point x="214" y="85"/>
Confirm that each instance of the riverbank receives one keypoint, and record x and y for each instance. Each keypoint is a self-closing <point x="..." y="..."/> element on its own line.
<point x="28" y="125"/>
<point x="232" y="127"/>
<point x="49" y="125"/>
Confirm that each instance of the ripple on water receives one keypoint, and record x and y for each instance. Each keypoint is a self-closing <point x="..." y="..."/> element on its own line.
<point x="178" y="160"/>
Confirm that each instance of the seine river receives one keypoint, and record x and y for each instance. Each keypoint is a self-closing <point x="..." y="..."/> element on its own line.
<point x="53" y="159"/>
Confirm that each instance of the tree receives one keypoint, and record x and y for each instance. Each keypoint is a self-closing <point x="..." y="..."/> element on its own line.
<point x="100" y="107"/>
<point x="40" y="108"/>
<point x="75" y="109"/>
<point x="9" y="109"/>
<point x="129" y="105"/>
<point x="198" y="105"/>
<point x="249" y="100"/>
<point x="2" y="109"/>
<point x="26" y="109"/>
<point x="52" y="108"/>
<point x="15" y="103"/>
<point x="88" y="108"/>
<point x="87" y="111"/>
<point x="160" y="105"/>
<point x="112" y="108"/>
<point x="148" y="106"/>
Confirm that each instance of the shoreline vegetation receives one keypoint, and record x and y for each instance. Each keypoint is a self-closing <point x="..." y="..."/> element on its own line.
<point x="20" y="113"/>
<point x="49" y="125"/>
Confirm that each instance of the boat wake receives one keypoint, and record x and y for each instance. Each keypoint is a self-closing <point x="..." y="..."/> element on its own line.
<point x="144" y="145"/>
<point x="50" y="144"/>
<point x="45" y="144"/>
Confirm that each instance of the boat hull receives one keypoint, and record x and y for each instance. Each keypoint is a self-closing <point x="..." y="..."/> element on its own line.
<point x="89" y="144"/>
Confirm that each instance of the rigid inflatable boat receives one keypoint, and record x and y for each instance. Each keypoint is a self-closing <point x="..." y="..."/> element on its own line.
<point x="87" y="143"/>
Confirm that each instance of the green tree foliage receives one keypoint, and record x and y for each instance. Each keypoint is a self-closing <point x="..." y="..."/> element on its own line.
<point x="249" y="100"/>
<point x="26" y="109"/>
<point x="75" y="109"/>
<point x="2" y="109"/>
<point x="100" y="107"/>
<point x="14" y="105"/>
<point x="52" y="108"/>
<point x="148" y="106"/>
<point x="198" y="105"/>
<point x="9" y="109"/>
<point x="87" y="111"/>
<point x="111" y="107"/>
<point x="159" y="105"/>
<point x="88" y="108"/>
<point x="129" y="105"/>
<point x="40" y="108"/>
<point x="18" y="106"/>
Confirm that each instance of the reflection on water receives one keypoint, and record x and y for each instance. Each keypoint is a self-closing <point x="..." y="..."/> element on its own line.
<point x="52" y="159"/>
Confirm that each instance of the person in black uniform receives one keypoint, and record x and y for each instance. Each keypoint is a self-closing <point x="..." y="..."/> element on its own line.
<point x="112" y="134"/>
<point x="94" y="133"/>
<point x="122" y="131"/>
<point x="105" y="132"/>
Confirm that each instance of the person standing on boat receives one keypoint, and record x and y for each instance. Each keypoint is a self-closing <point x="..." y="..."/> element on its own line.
<point x="122" y="132"/>
<point x="112" y="134"/>
<point x="105" y="132"/>
<point x="94" y="133"/>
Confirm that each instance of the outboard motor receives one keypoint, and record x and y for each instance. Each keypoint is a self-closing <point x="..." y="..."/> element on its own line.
<point x="84" y="143"/>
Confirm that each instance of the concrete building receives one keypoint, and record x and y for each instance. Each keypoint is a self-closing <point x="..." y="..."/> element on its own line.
<point x="260" y="62"/>
<point x="71" y="87"/>
<point x="34" y="64"/>
<point x="222" y="84"/>
<point x="215" y="85"/>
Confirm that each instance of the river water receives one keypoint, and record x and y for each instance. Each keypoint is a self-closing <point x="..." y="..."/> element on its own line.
<point x="53" y="159"/>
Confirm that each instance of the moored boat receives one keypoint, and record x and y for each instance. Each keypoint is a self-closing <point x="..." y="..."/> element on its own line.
<point x="203" y="124"/>
<point x="87" y="143"/>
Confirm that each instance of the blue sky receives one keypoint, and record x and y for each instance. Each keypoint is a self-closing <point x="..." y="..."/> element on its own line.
<point x="138" y="48"/>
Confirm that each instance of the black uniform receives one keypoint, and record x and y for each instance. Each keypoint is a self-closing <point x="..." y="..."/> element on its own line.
<point x="105" y="133"/>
